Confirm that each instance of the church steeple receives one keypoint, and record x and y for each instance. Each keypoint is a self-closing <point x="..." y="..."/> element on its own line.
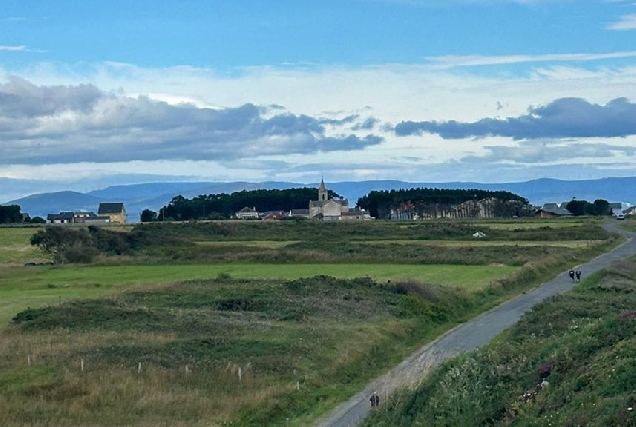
<point x="323" y="195"/>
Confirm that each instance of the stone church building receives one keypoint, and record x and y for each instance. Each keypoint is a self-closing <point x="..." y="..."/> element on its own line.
<point x="325" y="208"/>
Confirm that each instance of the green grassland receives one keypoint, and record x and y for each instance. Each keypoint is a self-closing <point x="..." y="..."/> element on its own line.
<point x="25" y="287"/>
<point x="308" y="312"/>
<point x="15" y="246"/>
<point x="582" y="344"/>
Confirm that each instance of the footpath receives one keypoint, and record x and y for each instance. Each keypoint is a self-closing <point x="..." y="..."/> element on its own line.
<point x="468" y="337"/>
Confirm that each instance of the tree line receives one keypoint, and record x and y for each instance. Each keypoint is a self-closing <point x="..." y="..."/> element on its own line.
<point x="224" y="206"/>
<point x="582" y="207"/>
<point x="425" y="200"/>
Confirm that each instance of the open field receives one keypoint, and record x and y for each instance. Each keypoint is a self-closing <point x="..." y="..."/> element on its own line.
<point x="23" y="287"/>
<point x="534" y="223"/>
<point x="308" y="312"/>
<point x="15" y="246"/>
<point x="209" y="352"/>
<point x="267" y="244"/>
<point x="485" y="243"/>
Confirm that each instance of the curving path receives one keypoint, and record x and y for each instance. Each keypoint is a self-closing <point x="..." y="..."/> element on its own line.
<point x="468" y="336"/>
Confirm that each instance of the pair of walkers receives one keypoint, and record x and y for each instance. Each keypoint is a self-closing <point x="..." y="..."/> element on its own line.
<point x="575" y="275"/>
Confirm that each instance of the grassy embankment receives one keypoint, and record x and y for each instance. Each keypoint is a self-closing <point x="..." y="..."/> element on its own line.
<point x="582" y="344"/>
<point x="301" y="345"/>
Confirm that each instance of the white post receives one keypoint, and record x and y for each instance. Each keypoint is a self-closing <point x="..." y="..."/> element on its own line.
<point x="240" y="373"/>
<point x="297" y="385"/>
<point x="82" y="364"/>
<point x="29" y="359"/>
<point x="139" y="368"/>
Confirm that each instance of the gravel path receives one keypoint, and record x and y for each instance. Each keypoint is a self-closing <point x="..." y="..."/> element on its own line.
<point x="467" y="337"/>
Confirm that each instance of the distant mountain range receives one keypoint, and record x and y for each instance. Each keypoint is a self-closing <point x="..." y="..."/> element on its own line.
<point x="138" y="197"/>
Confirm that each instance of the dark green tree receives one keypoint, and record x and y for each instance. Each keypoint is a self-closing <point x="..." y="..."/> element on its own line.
<point x="576" y="207"/>
<point x="10" y="214"/>
<point x="602" y="207"/>
<point x="148" y="216"/>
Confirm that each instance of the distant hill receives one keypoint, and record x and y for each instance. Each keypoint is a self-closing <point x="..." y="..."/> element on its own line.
<point x="138" y="197"/>
<point x="41" y="204"/>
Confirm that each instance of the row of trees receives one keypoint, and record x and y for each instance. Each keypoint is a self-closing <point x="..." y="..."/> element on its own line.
<point x="425" y="200"/>
<point x="582" y="207"/>
<point x="224" y="206"/>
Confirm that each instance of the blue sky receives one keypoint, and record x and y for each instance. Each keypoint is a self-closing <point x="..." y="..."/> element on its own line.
<point x="93" y="93"/>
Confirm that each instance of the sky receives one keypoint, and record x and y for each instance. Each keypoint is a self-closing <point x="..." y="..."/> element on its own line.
<point x="490" y="91"/>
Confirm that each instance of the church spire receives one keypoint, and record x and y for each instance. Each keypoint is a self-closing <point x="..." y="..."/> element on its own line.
<point x="323" y="195"/>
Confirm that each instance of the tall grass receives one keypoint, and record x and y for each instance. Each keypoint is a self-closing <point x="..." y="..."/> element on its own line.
<point x="172" y="355"/>
<point x="571" y="361"/>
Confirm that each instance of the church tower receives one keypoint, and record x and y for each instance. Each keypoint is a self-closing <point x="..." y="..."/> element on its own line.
<point x="323" y="195"/>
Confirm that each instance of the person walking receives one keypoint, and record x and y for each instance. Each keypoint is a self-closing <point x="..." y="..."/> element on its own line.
<point x="578" y="275"/>
<point x="571" y="273"/>
<point x="374" y="399"/>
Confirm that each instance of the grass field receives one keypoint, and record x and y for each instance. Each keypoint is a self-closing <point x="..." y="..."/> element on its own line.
<point x="15" y="246"/>
<point x="486" y="243"/>
<point x="23" y="287"/>
<point x="534" y="223"/>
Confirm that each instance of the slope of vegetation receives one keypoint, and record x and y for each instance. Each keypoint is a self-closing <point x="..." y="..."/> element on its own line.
<point x="570" y="362"/>
<point x="214" y="352"/>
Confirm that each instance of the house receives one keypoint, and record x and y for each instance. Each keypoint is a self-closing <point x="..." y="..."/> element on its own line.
<point x="273" y="215"/>
<point x="630" y="211"/>
<point x="116" y="212"/>
<point x="299" y="213"/>
<point x="247" y="213"/>
<point x="356" y="215"/>
<point x="60" y="218"/>
<point x="616" y="208"/>
<point x="552" y="210"/>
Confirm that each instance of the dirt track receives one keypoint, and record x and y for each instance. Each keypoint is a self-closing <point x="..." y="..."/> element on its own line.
<point x="467" y="337"/>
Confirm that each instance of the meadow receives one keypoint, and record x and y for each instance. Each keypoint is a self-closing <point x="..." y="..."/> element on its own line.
<point x="246" y="323"/>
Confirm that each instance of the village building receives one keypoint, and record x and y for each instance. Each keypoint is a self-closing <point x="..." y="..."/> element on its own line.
<point x="325" y="208"/>
<point x="553" y="210"/>
<point x="247" y="213"/>
<point x="116" y="212"/>
<point x="82" y="217"/>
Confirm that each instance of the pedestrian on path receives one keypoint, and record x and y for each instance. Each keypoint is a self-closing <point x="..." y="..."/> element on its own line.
<point x="571" y="273"/>
<point x="578" y="275"/>
<point x="374" y="399"/>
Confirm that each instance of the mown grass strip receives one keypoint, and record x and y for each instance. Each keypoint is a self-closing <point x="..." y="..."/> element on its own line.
<point x="573" y="244"/>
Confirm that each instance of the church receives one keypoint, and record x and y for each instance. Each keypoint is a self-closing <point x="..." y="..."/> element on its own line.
<point x="325" y="208"/>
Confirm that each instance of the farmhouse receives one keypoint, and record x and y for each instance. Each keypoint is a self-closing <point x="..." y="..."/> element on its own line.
<point x="116" y="212"/>
<point x="553" y="210"/>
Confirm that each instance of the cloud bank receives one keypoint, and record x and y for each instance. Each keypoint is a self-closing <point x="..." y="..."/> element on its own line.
<point x="81" y="123"/>
<point x="562" y="118"/>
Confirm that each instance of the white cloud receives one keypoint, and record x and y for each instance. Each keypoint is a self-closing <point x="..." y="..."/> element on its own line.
<point x="13" y="48"/>
<point x="627" y="22"/>
<point x="451" y="61"/>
